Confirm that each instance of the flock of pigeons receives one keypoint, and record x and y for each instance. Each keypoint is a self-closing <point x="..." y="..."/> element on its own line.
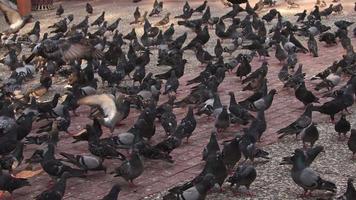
<point x="84" y="57"/>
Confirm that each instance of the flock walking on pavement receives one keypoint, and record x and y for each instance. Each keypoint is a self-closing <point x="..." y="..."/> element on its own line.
<point x="86" y="57"/>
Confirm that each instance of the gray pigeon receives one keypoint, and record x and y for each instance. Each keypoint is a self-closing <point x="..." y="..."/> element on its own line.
<point x="263" y="103"/>
<point x="243" y="176"/>
<point x="192" y="192"/>
<point x="223" y="120"/>
<point x="86" y="162"/>
<point x="249" y="149"/>
<point x="313" y="46"/>
<point x="258" y="125"/>
<point x="310" y="155"/>
<point x="310" y="135"/>
<point x="307" y="178"/>
<point x="298" y="125"/>
<point x="130" y="169"/>
<point x="231" y="153"/>
<point x="212" y="147"/>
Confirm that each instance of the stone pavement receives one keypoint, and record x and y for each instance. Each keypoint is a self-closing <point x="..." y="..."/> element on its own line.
<point x="158" y="175"/>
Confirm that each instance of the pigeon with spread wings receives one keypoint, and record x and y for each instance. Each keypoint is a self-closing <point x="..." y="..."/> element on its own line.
<point x="13" y="17"/>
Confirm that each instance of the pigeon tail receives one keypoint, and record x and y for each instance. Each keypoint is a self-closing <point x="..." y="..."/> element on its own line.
<point x="326" y="185"/>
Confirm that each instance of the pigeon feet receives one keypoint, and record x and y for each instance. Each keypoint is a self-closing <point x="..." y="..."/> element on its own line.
<point x="306" y="194"/>
<point x="249" y="193"/>
<point x="131" y="184"/>
<point x="49" y="184"/>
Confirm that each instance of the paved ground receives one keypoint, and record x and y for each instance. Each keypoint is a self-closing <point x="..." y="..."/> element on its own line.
<point x="273" y="181"/>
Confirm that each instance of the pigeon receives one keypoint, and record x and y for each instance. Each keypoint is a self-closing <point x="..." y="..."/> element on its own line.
<point x="297" y="43"/>
<point x="108" y="106"/>
<point x="190" y="191"/>
<point x="55" y="168"/>
<point x="14" y="159"/>
<point x="316" y="13"/>
<point x="310" y="134"/>
<point x="281" y="54"/>
<point x="270" y="15"/>
<point x="351" y="143"/>
<point x="186" y="7"/>
<point x="212" y="147"/>
<point x="238" y="113"/>
<point x="10" y="183"/>
<point x="304" y="95"/>
<point x="8" y="141"/>
<point x="232" y="14"/>
<point x="210" y="107"/>
<point x="350" y="191"/>
<point x="283" y="74"/>
<point x="112" y="27"/>
<point x="203" y="56"/>
<point x="343" y="24"/>
<point x="57" y="191"/>
<point x="99" y="20"/>
<point x="313" y="46"/>
<point x="327" y="11"/>
<point x="130" y="169"/>
<point x="223" y="120"/>
<point x="231" y="153"/>
<point x="328" y="37"/>
<point x="262" y="71"/>
<point x="86" y="162"/>
<point x="202" y="37"/>
<point x="244" y="68"/>
<point x="218" y="50"/>
<point x="164" y="21"/>
<point x="188" y="123"/>
<point x="89" y="8"/>
<point x="258" y="126"/>
<point x="244" y="175"/>
<point x="263" y="103"/>
<point x="60" y="10"/>
<point x="157" y="8"/>
<point x="137" y="15"/>
<point x="172" y="84"/>
<point x="214" y="165"/>
<point x="65" y="50"/>
<point x="249" y="150"/>
<point x="168" y="121"/>
<point x="342" y="126"/>
<point x="303" y="122"/>
<point x="332" y="80"/>
<point x="201" y="8"/>
<point x="307" y="178"/>
<point x="310" y="155"/>
<point x="301" y="16"/>
<point x="186" y="15"/>
<point x="113" y="193"/>
<point x="13" y="17"/>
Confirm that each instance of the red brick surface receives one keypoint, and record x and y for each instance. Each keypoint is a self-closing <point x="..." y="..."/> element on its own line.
<point x="158" y="175"/>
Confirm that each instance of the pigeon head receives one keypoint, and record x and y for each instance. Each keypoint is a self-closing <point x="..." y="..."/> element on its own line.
<point x="209" y="180"/>
<point x="298" y="153"/>
<point x="28" y="18"/>
<point x="273" y="92"/>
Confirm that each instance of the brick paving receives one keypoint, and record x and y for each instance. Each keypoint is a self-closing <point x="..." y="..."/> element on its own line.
<point x="158" y="175"/>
